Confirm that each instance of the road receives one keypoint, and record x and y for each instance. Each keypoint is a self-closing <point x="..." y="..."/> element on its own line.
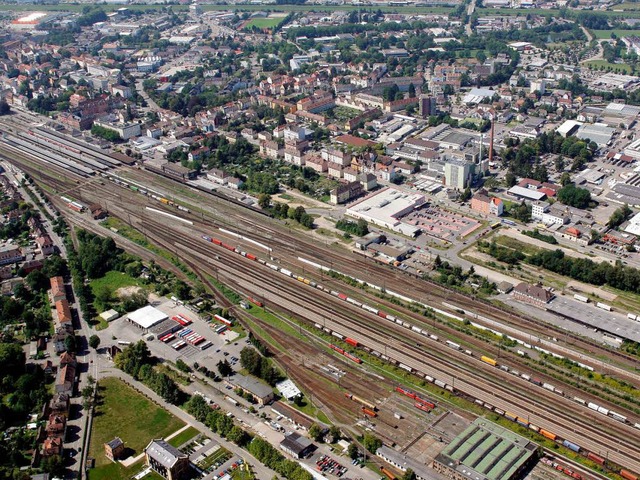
<point x="470" y="9"/>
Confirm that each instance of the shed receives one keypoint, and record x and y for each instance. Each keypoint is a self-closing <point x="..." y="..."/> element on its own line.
<point x="109" y="315"/>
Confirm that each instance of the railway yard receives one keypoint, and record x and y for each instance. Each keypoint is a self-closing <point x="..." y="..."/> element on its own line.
<point x="382" y="351"/>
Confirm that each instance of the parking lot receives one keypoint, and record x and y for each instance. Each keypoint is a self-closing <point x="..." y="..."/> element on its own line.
<point x="325" y="464"/>
<point x="225" y="345"/>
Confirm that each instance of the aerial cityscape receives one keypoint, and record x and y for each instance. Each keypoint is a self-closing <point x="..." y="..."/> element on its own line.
<point x="320" y="239"/>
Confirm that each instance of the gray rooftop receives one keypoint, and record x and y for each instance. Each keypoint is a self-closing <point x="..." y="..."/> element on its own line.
<point x="163" y="453"/>
<point x="404" y="462"/>
<point x="252" y="385"/>
<point x="296" y="442"/>
<point x="615" y="323"/>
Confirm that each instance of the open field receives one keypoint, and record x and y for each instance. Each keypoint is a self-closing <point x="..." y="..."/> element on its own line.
<point x="123" y="412"/>
<point x="606" y="34"/>
<point x="624" y="68"/>
<point x="263" y="22"/>
<point x="113" y="280"/>
<point x="183" y="437"/>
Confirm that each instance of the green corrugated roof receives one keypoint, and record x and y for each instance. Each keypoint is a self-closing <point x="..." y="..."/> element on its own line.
<point x="487" y="451"/>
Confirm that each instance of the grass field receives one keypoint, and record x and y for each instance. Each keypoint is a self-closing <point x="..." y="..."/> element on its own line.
<point x="114" y="280"/>
<point x="624" y="68"/>
<point x="606" y="34"/>
<point x="264" y="22"/>
<point x="123" y="412"/>
<point x="184" y="437"/>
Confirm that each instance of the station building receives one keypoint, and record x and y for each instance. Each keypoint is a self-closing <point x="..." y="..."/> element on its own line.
<point x="486" y="451"/>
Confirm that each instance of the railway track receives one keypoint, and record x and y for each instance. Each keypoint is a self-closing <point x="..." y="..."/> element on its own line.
<point x="529" y="404"/>
<point x="292" y="245"/>
<point x="402" y="348"/>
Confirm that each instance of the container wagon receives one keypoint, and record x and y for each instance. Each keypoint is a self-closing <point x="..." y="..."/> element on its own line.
<point x="571" y="446"/>
<point x="595" y="458"/>
<point x="369" y="412"/>
<point x="626" y="474"/>
<point x="351" y="341"/>
<point x="388" y="474"/>
<point x="489" y="360"/>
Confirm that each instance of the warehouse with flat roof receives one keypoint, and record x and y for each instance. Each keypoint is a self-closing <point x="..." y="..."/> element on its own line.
<point x="386" y="207"/>
<point x="486" y="451"/>
<point x="146" y="317"/>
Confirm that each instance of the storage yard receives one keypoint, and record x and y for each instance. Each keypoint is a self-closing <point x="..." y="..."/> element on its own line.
<point x="381" y="334"/>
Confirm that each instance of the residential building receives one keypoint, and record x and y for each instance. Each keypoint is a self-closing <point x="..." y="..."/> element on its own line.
<point x="533" y="294"/>
<point x="345" y="192"/>
<point x="114" y="449"/>
<point x="487" y="205"/>
<point x="58" y="291"/>
<point x="10" y="254"/>
<point x="46" y="245"/>
<point x="167" y="460"/>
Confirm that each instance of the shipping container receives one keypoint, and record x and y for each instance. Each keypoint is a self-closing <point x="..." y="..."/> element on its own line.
<point x="593" y="406"/>
<point x="603" y="306"/>
<point x="604" y="411"/>
<point x="548" y="386"/>
<point x="581" y="298"/>
<point x="440" y="383"/>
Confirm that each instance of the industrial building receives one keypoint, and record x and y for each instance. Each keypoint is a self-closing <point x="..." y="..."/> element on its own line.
<point x="146" y="317"/>
<point x="403" y="462"/>
<point x="386" y="207"/>
<point x="296" y="445"/>
<point x="263" y="394"/>
<point x="485" y="451"/>
<point x="599" y="133"/>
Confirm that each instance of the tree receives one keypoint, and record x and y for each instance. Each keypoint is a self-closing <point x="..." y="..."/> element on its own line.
<point x="353" y="451"/>
<point x="315" y="432"/>
<point x="335" y="433"/>
<point x="574" y="196"/>
<point x="409" y="475"/>
<point x="510" y="180"/>
<point x="224" y="368"/>
<point x="412" y="91"/>
<point x="619" y="216"/>
<point x="371" y="442"/>
<point x="466" y="194"/>
<point x="94" y="341"/>
<point x="4" y="107"/>
<point x="264" y="200"/>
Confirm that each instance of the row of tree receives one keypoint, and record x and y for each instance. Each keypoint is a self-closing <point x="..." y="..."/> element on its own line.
<point x="260" y="366"/>
<point x="136" y="360"/>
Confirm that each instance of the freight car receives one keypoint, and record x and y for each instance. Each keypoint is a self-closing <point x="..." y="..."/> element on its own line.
<point x="488" y="360"/>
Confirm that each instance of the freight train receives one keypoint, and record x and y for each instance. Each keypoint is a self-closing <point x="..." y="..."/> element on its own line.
<point x="128" y="184"/>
